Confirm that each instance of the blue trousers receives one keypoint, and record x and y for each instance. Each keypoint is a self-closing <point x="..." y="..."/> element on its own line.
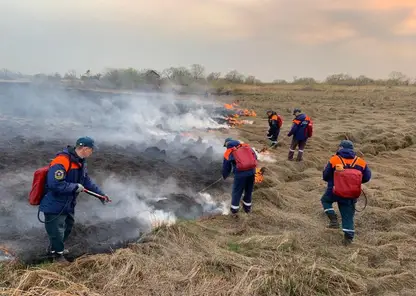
<point x="274" y="135"/>
<point x="346" y="208"/>
<point x="58" y="228"/>
<point x="242" y="184"/>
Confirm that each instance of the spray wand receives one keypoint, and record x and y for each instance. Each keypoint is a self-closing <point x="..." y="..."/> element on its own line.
<point x="103" y="198"/>
<point x="210" y="185"/>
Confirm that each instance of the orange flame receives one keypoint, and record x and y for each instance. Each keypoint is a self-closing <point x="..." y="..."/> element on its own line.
<point x="245" y="112"/>
<point x="259" y="176"/>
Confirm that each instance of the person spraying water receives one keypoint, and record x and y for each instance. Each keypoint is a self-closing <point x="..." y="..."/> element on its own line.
<point x="64" y="179"/>
<point x="242" y="160"/>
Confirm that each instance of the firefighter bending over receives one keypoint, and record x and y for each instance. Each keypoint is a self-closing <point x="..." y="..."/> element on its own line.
<point x="344" y="173"/>
<point x="242" y="160"/>
<point x="275" y="123"/>
<point x="66" y="178"/>
<point x="301" y="130"/>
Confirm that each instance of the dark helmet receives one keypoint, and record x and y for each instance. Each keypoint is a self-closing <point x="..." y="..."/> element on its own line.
<point x="296" y="110"/>
<point x="346" y="144"/>
<point x="227" y="140"/>
<point x="269" y="112"/>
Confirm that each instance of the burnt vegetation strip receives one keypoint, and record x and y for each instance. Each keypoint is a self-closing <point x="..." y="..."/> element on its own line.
<point x="284" y="248"/>
<point x="191" y="164"/>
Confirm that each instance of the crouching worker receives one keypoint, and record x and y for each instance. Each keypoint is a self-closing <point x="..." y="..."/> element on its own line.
<point x="66" y="178"/>
<point x="344" y="173"/>
<point x="242" y="160"/>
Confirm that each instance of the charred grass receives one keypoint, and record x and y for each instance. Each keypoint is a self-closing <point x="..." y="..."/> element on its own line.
<point x="284" y="247"/>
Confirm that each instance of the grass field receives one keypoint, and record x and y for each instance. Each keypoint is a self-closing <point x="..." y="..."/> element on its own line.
<point x="283" y="247"/>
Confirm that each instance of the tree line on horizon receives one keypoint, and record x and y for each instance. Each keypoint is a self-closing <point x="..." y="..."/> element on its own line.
<point x="131" y="78"/>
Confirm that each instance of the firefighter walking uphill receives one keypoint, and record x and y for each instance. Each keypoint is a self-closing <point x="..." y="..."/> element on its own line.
<point x="66" y="178"/>
<point x="275" y="123"/>
<point x="242" y="160"/>
<point x="344" y="173"/>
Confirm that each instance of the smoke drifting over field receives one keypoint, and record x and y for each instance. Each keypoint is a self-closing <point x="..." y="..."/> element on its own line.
<point x="147" y="162"/>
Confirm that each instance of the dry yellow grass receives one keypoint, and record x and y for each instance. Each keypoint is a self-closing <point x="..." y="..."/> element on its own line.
<point x="284" y="247"/>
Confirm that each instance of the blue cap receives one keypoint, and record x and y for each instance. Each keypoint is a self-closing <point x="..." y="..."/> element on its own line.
<point x="86" y="142"/>
<point x="227" y="140"/>
<point x="346" y="144"/>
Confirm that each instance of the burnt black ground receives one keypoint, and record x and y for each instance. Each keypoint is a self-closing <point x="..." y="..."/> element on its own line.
<point x="189" y="171"/>
<point x="192" y="164"/>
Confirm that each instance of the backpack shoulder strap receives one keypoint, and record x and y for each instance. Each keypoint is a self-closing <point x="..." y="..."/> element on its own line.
<point x="342" y="161"/>
<point x="70" y="164"/>
<point x="355" y="160"/>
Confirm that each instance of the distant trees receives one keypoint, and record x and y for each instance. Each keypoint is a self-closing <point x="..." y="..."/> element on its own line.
<point x="394" y="79"/>
<point x="131" y="78"/>
<point x="195" y="76"/>
<point x="6" y="74"/>
<point x="197" y="72"/>
<point x="304" y="80"/>
<point x="398" y="78"/>
<point x="214" y="76"/>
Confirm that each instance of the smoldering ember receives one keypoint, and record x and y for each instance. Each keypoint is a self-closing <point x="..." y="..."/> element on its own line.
<point x="156" y="152"/>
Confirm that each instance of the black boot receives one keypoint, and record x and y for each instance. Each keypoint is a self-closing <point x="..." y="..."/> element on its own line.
<point x="300" y="156"/>
<point x="50" y="252"/>
<point x="59" y="258"/>
<point x="247" y="209"/>
<point x="333" y="220"/>
<point x="347" y="240"/>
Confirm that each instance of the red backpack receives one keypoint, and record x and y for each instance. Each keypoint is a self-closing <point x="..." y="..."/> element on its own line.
<point x="39" y="183"/>
<point x="279" y="120"/>
<point x="347" y="181"/>
<point x="309" y="128"/>
<point x="244" y="157"/>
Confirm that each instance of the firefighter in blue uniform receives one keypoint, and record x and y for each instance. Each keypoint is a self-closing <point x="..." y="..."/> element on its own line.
<point x="299" y="134"/>
<point x="345" y="155"/>
<point x="66" y="178"/>
<point x="243" y="180"/>
<point x="275" y="123"/>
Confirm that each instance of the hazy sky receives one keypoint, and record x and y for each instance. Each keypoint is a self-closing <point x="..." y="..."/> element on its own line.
<point x="270" y="39"/>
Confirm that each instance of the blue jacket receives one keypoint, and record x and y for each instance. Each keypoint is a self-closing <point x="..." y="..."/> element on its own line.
<point x="61" y="186"/>
<point x="274" y="124"/>
<point x="347" y="154"/>
<point x="299" y="126"/>
<point x="229" y="163"/>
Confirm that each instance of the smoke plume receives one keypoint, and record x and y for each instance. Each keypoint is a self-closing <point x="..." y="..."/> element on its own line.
<point x="154" y="157"/>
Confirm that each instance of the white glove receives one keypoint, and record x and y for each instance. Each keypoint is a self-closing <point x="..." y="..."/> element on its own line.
<point x="80" y="188"/>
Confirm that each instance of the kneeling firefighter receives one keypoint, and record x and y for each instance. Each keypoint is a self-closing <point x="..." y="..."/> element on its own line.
<point x="67" y="176"/>
<point x="242" y="160"/>
<point x="344" y="173"/>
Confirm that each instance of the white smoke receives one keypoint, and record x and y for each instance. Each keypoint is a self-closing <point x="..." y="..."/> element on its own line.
<point x="142" y="120"/>
<point x="130" y="200"/>
<point x="136" y="198"/>
<point x="210" y="205"/>
<point x="264" y="156"/>
<point x="115" y="119"/>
